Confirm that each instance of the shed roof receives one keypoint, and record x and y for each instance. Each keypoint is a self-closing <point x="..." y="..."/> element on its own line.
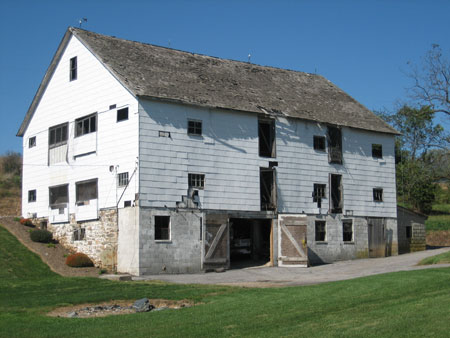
<point x="151" y="71"/>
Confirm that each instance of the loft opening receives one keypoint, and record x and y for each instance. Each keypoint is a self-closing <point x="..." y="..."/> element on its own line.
<point x="266" y="135"/>
<point x="73" y="69"/>
<point x="336" y="200"/>
<point x="334" y="145"/>
<point x="268" y="189"/>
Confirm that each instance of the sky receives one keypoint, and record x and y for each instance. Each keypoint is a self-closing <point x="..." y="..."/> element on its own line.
<point x="361" y="46"/>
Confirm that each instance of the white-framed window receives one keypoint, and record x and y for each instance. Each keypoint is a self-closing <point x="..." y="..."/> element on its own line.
<point x="32" y="142"/>
<point x="122" y="179"/>
<point x="86" y="125"/>
<point x="162" y="228"/>
<point x="57" y="135"/>
<point x="73" y="69"/>
<point x="122" y="114"/>
<point x="86" y="190"/>
<point x="196" y="181"/>
<point x="31" y="196"/>
<point x="194" y="127"/>
<point x="59" y="194"/>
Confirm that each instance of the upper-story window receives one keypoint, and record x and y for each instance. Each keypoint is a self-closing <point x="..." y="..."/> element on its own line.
<point x="122" y="114"/>
<point x="86" y="125"/>
<point x="57" y="135"/>
<point x="377" y="151"/>
<point x="32" y="142"/>
<point x="319" y="143"/>
<point x="194" y="127"/>
<point x="334" y="145"/>
<point x="122" y="179"/>
<point x="378" y="194"/>
<point x="86" y="190"/>
<point x="73" y="68"/>
<point x="266" y="135"/>
<point x="196" y="181"/>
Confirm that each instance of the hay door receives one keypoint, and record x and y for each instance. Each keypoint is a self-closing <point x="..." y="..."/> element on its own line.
<point x="216" y="242"/>
<point x="377" y="237"/>
<point x="293" y="249"/>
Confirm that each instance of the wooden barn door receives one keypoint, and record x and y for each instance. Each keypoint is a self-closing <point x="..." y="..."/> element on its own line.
<point x="377" y="237"/>
<point x="216" y="242"/>
<point x="293" y="249"/>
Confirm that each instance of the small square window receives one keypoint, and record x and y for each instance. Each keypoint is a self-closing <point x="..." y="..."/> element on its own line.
<point x="347" y="230"/>
<point x="194" y="127"/>
<point x="32" y="195"/>
<point x="79" y="234"/>
<point x="113" y="106"/>
<point x="73" y="68"/>
<point x="162" y="228"/>
<point x="319" y="143"/>
<point x="196" y="181"/>
<point x="321" y="231"/>
<point x="126" y="204"/>
<point x="163" y="133"/>
<point x="377" y="151"/>
<point x="378" y="195"/>
<point x="122" y="114"/>
<point x="122" y="179"/>
<point x="32" y="142"/>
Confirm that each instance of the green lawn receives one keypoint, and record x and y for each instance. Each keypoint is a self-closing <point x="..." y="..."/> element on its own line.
<point x="439" y="218"/>
<point x="443" y="258"/>
<point x="402" y="304"/>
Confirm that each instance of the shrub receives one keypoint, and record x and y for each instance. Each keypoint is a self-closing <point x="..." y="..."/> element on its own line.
<point x="78" y="260"/>
<point x="41" y="236"/>
<point x="17" y="219"/>
<point x="26" y="221"/>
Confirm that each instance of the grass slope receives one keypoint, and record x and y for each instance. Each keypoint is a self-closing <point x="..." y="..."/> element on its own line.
<point x="439" y="219"/>
<point x="443" y="258"/>
<point x="401" y="304"/>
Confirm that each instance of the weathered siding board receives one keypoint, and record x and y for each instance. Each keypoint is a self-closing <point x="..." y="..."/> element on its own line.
<point x="114" y="143"/>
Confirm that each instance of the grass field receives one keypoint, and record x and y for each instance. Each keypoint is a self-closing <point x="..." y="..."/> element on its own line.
<point x="443" y="258"/>
<point x="439" y="218"/>
<point x="402" y="304"/>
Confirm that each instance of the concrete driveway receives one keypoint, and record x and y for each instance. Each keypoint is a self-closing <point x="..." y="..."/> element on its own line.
<point x="276" y="276"/>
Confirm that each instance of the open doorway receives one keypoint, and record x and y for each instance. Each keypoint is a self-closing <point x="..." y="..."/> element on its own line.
<point x="250" y="242"/>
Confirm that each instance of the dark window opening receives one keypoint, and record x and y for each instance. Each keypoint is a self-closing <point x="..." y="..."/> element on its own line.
<point x="122" y="114"/>
<point x="334" y="145"/>
<point x="162" y="228"/>
<point x="126" y="204"/>
<point x="408" y="232"/>
<point x="268" y="189"/>
<point x="347" y="230"/>
<point x="266" y="135"/>
<point x="57" y="135"/>
<point x="196" y="181"/>
<point x="319" y="143"/>
<point x="377" y="151"/>
<point x="59" y="195"/>
<point x="79" y="234"/>
<point x="321" y="231"/>
<point x="86" y="190"/>
<point x="73" y="68"/>
<point x="319" y="193"/>
<point x="336" y="199"/>
<point x="43" y="225"/>
<point x="122" y="179"/>
<point x="113" y="106"/>
<point x="378" y="195"/>
<point x="194" y="127"/>
<point x="31" y="195"/>
<point x="32" y="142"/>
<point x="86" y="125"/>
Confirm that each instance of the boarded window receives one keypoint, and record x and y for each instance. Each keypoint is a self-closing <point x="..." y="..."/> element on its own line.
<point x="86" y="125"/>
<point x="194" y="127"/>
<point x="73" y="68"/>
<point x="86" y="190"/>
<point x="162" y="228"/>
<point x="377" y="150"/>
<point x="57" y="135"/>
<point x="268" y="189"/>
<point x="319" y="143"/>
<point x="122" y="114"/>
<point x="266" y="134"/>
<point x="59" y="195"/>
<point x="79" y="234"/>
<point x="32" y="142"/>
<point x="347" y="230"/>
<point x="31" y="195"/>
<point x="334" y="145"/>
<point x="336" y="200"/>
<point x="321" y="231"/>
<point x="122" y="179"/>
<point x="408" y="231"/>
<point x="378" y="195"/>
<point x="196" y="181"/>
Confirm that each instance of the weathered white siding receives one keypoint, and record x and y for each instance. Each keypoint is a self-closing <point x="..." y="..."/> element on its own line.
<point x="114" y="144"/>
<point x="227" y="153"/>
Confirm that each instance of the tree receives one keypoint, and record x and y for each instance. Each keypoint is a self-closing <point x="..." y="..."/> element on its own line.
<point x="432" y="81"/>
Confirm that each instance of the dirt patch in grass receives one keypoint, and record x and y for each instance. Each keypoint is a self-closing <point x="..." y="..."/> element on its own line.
<point x="438" y="238"/>
<point x="118" y="307"/>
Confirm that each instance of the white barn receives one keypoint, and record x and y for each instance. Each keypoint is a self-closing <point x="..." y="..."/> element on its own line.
<point x="154" y="160"/>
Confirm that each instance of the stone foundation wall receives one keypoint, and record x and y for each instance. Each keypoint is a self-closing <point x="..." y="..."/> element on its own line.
<point x="100" y="237"/>
<point x="416" y="222"/>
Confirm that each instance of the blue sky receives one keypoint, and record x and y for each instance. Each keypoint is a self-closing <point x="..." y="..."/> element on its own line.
<point x="361" y="46"/>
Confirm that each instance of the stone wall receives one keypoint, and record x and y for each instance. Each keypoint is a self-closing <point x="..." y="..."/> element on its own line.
<point x="100" y="237"/>
<point x="416" y="222"/>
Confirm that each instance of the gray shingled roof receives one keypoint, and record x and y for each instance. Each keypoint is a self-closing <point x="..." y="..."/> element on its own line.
<point x="156" y="72"/>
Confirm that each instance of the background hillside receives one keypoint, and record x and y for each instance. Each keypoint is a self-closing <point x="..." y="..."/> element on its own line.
<point x="10" y="184"/>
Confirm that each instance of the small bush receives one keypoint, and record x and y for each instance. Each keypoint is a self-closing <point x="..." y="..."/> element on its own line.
<point x="78" y="260"/>
<point x="51" y="245"/>
<point x="17" y="219"/>
<point x="41" y="236"/>
<point x="26" y="221"/>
